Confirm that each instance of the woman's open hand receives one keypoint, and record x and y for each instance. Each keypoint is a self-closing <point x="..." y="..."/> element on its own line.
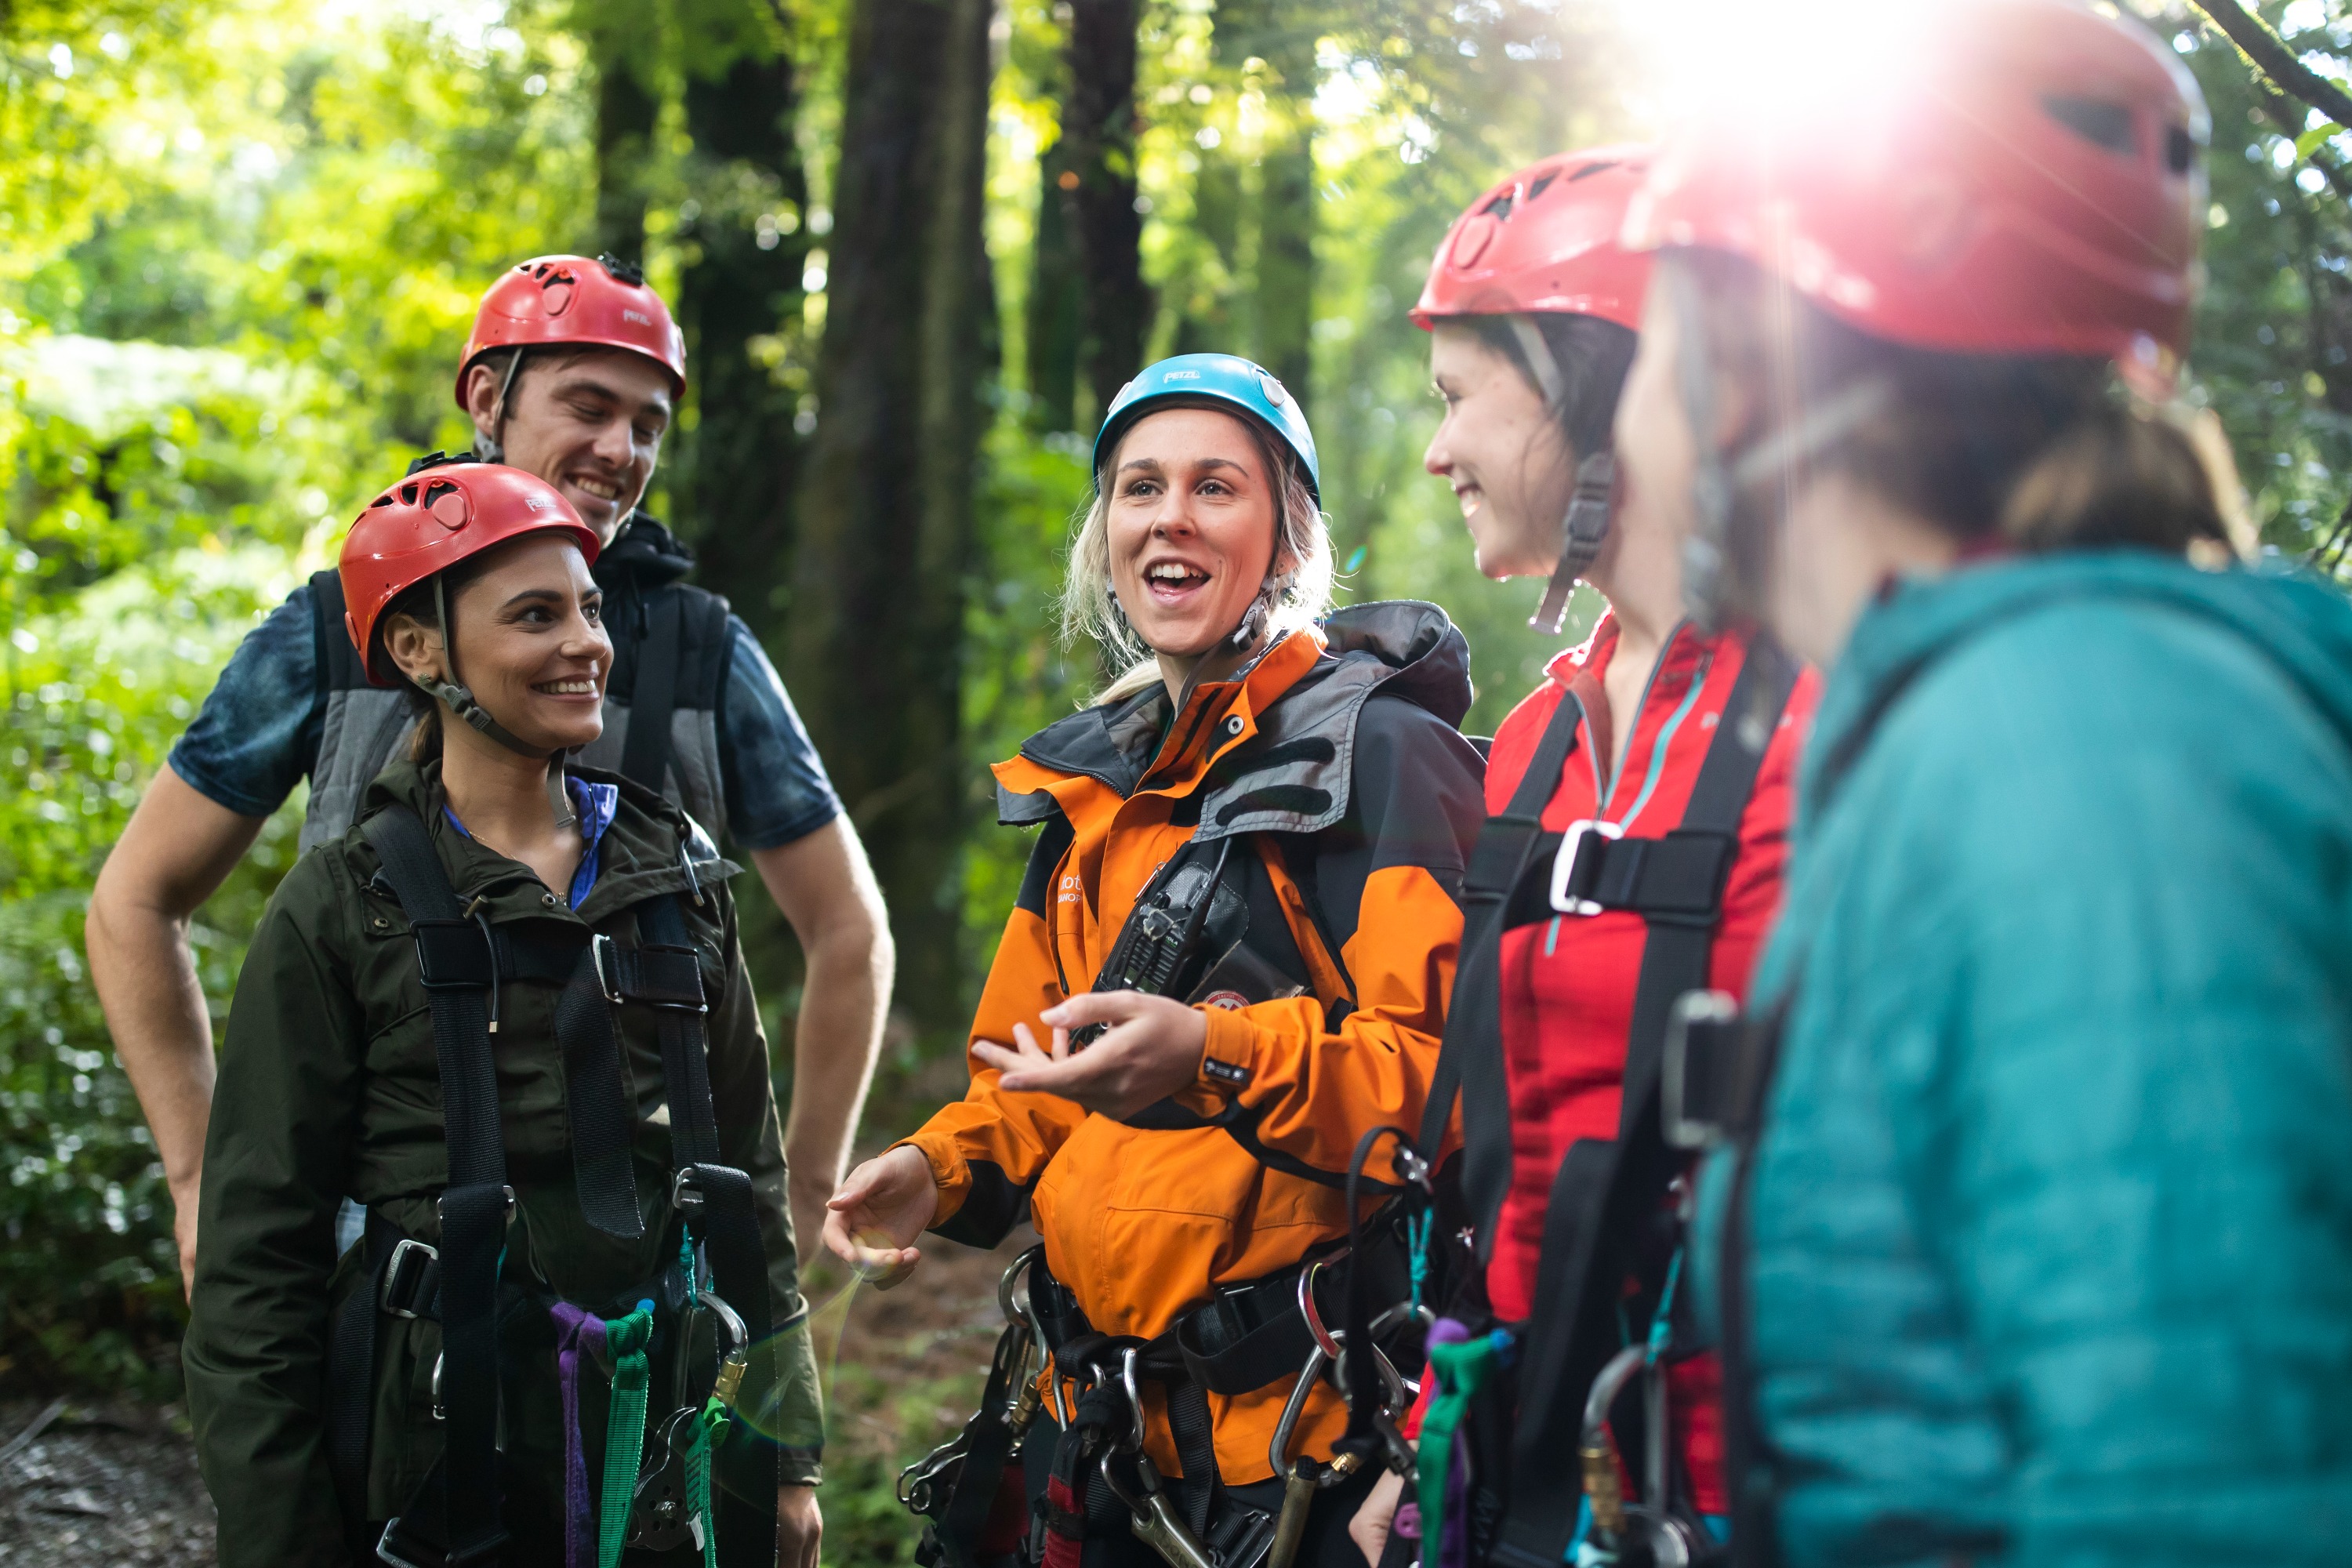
<point x="1151" y="1050"/>
<point x="872" y="1222"/>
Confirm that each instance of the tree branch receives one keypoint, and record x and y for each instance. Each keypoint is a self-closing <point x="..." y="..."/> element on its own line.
<point x="2271" y="54"/>
<point x="2286" y="110"/>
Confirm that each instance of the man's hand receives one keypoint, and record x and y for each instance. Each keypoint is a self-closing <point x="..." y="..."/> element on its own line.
<point x="799" y="1527"/>
<point x="872" y="1222"/>
<point x="1376" y="1517"/>
<point x="1151" y="1051"/>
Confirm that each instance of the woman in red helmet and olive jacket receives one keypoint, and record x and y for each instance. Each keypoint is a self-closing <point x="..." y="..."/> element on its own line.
<point x="1639" y="798"/>
<point x="507" y="1013"/>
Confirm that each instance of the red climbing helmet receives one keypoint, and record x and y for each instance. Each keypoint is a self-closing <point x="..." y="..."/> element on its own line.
<point x="570" y="300"/>
<point x="428" y="523"/>
<point x="2020" y="177"/>
<point x="1546" y="240"/>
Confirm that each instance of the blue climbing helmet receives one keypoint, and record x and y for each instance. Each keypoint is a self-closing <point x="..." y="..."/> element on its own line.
<point x="1216" y="378"/>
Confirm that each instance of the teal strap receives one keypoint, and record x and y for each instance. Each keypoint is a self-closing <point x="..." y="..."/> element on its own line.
<point x="708" y="1429"/>
<point x="624" y="1429"/>
<point x="1662" y="1323"/>
<point x="1417" y="1235"/>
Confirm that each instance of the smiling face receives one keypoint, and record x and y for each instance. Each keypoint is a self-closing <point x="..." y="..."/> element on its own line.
<point x="1191" y="525"/>
<point x="530" y="644"/>
<point x="590" y="424"/>
<point x="1502" y="451"/>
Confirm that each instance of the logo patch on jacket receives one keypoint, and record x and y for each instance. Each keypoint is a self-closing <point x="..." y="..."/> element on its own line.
<point x="1225" y="1072"/>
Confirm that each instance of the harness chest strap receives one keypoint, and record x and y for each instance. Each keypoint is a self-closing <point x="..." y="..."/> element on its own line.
<point x="1603" y="1191"/>
<point x="474" y="1209"/>
<point x="454" y="1518"/>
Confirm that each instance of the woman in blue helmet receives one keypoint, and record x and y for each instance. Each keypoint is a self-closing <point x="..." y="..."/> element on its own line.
<point x="1228" y="963"/>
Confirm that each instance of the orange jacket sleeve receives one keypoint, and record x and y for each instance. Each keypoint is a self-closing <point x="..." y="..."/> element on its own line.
<point x="1387" y="879"/>
<point x="987" y="1150"/>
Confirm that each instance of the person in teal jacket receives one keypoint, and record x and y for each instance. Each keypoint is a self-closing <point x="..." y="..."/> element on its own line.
<point x="2029" y="1230"/>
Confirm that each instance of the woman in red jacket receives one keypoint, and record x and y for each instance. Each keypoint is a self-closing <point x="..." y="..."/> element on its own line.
<point x="1639" y="801"/>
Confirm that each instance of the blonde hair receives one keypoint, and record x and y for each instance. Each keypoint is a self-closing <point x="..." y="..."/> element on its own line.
<point x="1295" y="596"/>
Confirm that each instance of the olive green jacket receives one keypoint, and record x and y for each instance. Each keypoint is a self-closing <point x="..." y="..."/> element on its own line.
<point x="329" y="1086"/>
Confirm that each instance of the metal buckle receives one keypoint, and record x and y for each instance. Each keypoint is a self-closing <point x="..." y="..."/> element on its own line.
<point x="682" y="1196"/>
<point x="608" y="966"/>
<point x="394" y="1267"/>
<point x="383" y="1551"/>
<point x="1706" y="1009"/>
<point x="1563" y="865"/>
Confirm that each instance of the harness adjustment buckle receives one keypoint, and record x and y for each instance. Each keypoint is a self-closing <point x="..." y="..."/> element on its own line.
<point x="1572" y="876"/>
<point x="407" y="1292"/>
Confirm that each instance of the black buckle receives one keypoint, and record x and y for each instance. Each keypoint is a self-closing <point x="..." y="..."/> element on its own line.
<point x="410" y="1293"/>
<point x="452" y="955"/>
<point x="1706" y="1071"/>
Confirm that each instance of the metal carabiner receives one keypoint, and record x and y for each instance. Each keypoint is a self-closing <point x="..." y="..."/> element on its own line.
<point x="1134" y="1400"/>
<point x="1325" y="1340"/>
<point x="1048" y="1369"/>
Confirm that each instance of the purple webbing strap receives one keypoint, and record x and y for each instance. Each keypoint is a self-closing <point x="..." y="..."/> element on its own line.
<point x="575" y="1327"/>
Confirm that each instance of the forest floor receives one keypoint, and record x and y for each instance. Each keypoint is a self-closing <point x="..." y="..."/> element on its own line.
<point x="109" y="1484"/>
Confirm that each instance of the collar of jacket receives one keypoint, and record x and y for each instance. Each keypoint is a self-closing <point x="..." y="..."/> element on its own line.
<point x="651" y="849"/>
<point x="644" y="556"/>
<point x="2302" y="623"/>
<point x="1269" y="750"/>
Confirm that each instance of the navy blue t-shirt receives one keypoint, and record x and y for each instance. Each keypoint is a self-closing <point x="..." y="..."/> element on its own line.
<point x="258" y="734"/>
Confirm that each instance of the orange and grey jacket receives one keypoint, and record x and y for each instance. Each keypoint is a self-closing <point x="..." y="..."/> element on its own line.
<point x="1334" y="762"/>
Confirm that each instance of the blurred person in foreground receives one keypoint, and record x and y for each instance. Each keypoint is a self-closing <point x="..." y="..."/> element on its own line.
<point x="2029" y="1232"/>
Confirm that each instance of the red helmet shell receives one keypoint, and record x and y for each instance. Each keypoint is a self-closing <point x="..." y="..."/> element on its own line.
<point x="428" y="523"/>
<point x="573" y="302"/>
<point x="1546" y="240"/>
<point x="2023" y="179"/>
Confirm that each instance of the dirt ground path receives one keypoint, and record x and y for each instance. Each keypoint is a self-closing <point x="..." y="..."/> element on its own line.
<point x="93" y="1484"/>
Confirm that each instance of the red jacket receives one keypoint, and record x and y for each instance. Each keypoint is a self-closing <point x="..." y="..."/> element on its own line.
<point x="1567" y="984"/>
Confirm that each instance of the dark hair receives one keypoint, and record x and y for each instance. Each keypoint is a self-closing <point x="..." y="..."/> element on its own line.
<point x="416" y="602"/>
<point x="1591" y="355"/>
<point x="2042" y="451"/>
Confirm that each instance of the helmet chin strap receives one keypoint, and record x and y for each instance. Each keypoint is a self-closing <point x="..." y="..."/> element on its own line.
<point x="453" y="695"/>
<point x="1588" y="508"/>
<point x="1712" y="589"/>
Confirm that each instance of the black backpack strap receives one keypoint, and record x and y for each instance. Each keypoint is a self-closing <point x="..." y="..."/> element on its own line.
<point x="1589" y="1248"/>
<point x="645" y="755"/>
<point x="475" y="1206"/>
<point x="339" y="668"/>
<point x="1470" y="1060"/>
<point x="681" y="662"/>
<point x="720" y="1209"/>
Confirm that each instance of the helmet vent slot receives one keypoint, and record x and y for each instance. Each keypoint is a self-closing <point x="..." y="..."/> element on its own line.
<point x="1543" y="183"/>
<point x="1587" y="172"/>
<point x="408" y="495"/>
<point x="1499" y="209"/>
<point x="2098" y="120"/>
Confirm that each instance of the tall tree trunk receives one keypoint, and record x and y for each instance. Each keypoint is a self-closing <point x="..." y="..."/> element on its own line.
<point x="887" y="516"/>
<point x="1056" y="322"/>
<point x="1281" y="33"/>
<point x="1098" y="140"/>
<point x="741" y="463"/>
<point x="625" y="111"/>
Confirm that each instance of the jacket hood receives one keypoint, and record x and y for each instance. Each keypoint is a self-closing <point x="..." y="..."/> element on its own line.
<point x="2304" y="625"/>
<point x="644" y="554"/>
<point x="1291" y="772"/>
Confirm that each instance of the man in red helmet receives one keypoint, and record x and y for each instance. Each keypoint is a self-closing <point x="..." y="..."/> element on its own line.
<point x="572" y="372"/>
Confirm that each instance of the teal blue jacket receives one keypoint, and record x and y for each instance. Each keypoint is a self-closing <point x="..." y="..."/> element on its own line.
<point x="2048" y="1249"/>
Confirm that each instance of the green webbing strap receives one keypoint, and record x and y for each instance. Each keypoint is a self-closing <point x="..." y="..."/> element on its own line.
<point x="1462" y="1368"/>
<point x="625" y="1428"/>
<point x="706" y="1429"/>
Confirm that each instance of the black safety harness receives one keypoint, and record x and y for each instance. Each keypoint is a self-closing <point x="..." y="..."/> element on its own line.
<point x="455" y="1516"/>
<point x="1607" y="1193"/>
<point x="1189" y="935"/>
